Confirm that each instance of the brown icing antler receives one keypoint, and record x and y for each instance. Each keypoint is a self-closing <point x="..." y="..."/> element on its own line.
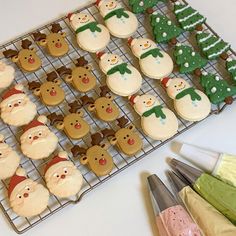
<point x="63" y="70"/>
<point x="39" y="36"/>
<point x="54" y="118"/>
<point x="77" y="150"/>
<point x="96" y="139"/>
<point x="51" y="76"/>
<point x="34" y="85"/>
<point x="86" y="100"/>
<point x="108" y="133"/>
<point x="122" y="121"/>
<point x="10" y="53"/>
<point x="81" y="62"/>
<point x="74" y="107"/>
<point x="104" y="90"/>
<point x="56" y="28"/>
<point x="26" y="43"/>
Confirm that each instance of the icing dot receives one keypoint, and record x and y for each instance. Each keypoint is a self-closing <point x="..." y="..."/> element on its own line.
<point x="213" y="89"/>
<point x="193" y="53"/>
<point x="141" y="4"/>
<point x="178" y="44"/>
<point x="186" y="64"/>
<point x="164" y="34"/>
<point x="217" y="78"/>
<point x="180" y="51"/>
<point x="157" y="19"/>
<point x="168" y="22"/>
<point x="228" y="89"/>
<point x="204" y="73"/>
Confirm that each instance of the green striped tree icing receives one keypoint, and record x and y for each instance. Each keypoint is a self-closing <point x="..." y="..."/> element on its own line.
<point x="231" y="67"/>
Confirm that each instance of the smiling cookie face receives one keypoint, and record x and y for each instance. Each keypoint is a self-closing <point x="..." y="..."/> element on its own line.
<point x="107" y="6"/>
<point x="142" y="45"/>
<point x="80" y="19"/>
<point x="175" y="86"/>
<point x="108" y="61"/>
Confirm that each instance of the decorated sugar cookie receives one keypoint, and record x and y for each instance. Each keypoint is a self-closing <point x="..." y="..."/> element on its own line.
<point x="27" y="197"/>
<point x="191" y="104"/>
<point x="122" y="78"/>
<point x="158" y="122"/>
<point x="231" y="68"/>
<point x="91" y="36"/>
<point x="16" y="107"/>
<point x="37" y="141"/>
<point x="153" y="62"/>
<point x="7" y="74"/>
<point x="62" y="177"/>
<point x="120" y="22"/>
<point x="9" y="160"/>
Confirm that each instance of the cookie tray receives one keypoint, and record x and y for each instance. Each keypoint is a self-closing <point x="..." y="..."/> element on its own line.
<point x="91" y="181"/>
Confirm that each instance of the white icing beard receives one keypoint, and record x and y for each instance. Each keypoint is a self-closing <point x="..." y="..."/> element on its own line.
<point x="20" y="115"/>
<point x="6" y="76"/>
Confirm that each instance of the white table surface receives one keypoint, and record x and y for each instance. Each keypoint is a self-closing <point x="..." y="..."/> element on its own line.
<point x="121" y="207"/>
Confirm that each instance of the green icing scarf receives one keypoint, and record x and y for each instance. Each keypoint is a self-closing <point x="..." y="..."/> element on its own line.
<point x="122" y="68"/>
<point x="118" y="13"/>
<point x="155" y="52"/>
<point x="92" y="26"/>
<point x="157" y="110"/>
<point x="189" y="91"/>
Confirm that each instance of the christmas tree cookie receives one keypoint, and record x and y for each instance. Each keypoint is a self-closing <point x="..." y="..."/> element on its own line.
<point x="188" y="18"/>
<point x="212" y="46"/>
<point x="188" y="59"/>
<point x="216" y="89"/>
<point x="231" y="67"/>
<point x="140" y="6"/>
<point x="163" y="29"/>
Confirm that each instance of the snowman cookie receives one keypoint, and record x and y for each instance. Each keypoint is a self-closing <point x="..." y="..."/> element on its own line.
<point x="9" y="160"/>
<point x="120" y="22"/>
<point x="91" y="36"/>
<point x="62" y="177"/>
<point x="7" y="74"/>
<point x="191" y="104"/>
<point x="27" y="197"/>
<point x="153" y="62"/>
<point x="158" y="122"/>
<point x="122" y="78"/>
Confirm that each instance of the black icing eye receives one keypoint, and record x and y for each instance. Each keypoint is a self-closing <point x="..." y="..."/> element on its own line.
<point x="58" y="176"/>
<point x="71" y="123"/>
<point x="102" y="155"/>
<point x="108" y="104"/>
<point x="175" y="86"/>
<point x="47" y="90"/>
<point x="28" y="189"/>
<point x="109" y="60"/>
<point x="25" y="58"/>
<point x="52" y="87"/>
<point x="106" y="5"/>
<point x="127" y="135"/>
<point x="0" y="153"/>
<point x="95" y="159"/>
<point x="30" y="55"/>
<point x="85" y="74"/>
<point x="79" y="18"/>
<point x="150" y="99"/>
<point x="58" y="40"/>
<point x="144" y="102"/>
<point x="102" y="106"/>
<point x="65" y="171"/>
<point x="19" y="197"/>
<point x="77" y="121"/>
<point x="80" y="76"/>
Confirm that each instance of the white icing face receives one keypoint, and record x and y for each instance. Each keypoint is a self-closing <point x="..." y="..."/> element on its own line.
<point x="29" y="198"/>
<point x="141" y="45"/>
<point x="106" y="6"/>
<point x="17" y="110"/>
<point x="38" y="142"/>
<point x="80" y="19"/>
<point x="6" y="75"/>
<point x="144" y="103"/>
<point x="175" y="86"/>
<point x="108" y="61"/>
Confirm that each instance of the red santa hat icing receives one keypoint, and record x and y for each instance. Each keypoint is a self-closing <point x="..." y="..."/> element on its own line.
<point x="41" y="121"/>
<point x="18" y="89"/>
<point x="16" y="179"/>
<point x="98" y="2"/>
<point x="130" y="41"/>
<point x="1" y="138"/>
<point x="100" y="55"/>
<point x="133" y="99"/>
<point x="69" y="16"/>
<point x="165" y="82"/>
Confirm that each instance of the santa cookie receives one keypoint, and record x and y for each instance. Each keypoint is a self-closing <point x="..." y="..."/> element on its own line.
<point x="16" y="107"/>
<point x="9" y="160"/>
<point x="62" y="177"/>
<point x="27" y="198"/>
<point x="158" y="122"/>
<point x="91" y="36"/>
<point x="7" y="74"/>
<point x="153" y="62"/>
<point x="191" y="104"/>
<point x="120" y="22"/>
<point x="37" y="141"/>
<point x="122" y="79"/>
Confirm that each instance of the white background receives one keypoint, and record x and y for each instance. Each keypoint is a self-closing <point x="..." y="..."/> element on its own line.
<point x="121" y="207"/>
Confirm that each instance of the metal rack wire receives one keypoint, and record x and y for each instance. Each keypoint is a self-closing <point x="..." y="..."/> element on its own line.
<point x="91" y="181"/>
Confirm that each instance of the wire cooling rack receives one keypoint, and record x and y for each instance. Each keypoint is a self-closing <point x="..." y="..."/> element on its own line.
<point x="91" y="181"/>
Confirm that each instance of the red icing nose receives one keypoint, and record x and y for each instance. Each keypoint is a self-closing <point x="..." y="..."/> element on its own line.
<point x="58" y="45"/>
<point x="26" y="195"/>
<point x="53" y="93"/>
<point x="35" y="137"/>
<point x="85" y="80"/>
<point x="78" y="126"/>
<point x="31" y="60"/>
<point x="131" y="141"/>
<point x="109" y="110"/>
<point x="63" y="176"/>
<point x="16" y="105"/>
<point x="102" y="161"/>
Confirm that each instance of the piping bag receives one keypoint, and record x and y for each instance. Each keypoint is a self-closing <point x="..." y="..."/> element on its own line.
<point x="220" y="165"/>
<point x="211" y="221"/>
<point x="219" y="194"/>
<point x="174" y="218"/>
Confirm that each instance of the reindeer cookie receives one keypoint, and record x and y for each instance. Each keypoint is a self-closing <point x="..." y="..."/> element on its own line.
<point x="26" y="58"/>
<point x="91" y="36"/>
<point x="50" y="93"/>
<point x="73" y="124"/>
<point x="96" y="157"/>
<point x="120" y="22"/>
<point x="158" y="122"/>
<point x="54" y="42"/>
<point x="7" y="74"/>
<point x="153" y="62"/>
<point x="125" y="139"/>
<point x="81" y="76"/>
<point x="103" y="106"/>
<point x="122" y="79"/>
<point x="191" y="104"/>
